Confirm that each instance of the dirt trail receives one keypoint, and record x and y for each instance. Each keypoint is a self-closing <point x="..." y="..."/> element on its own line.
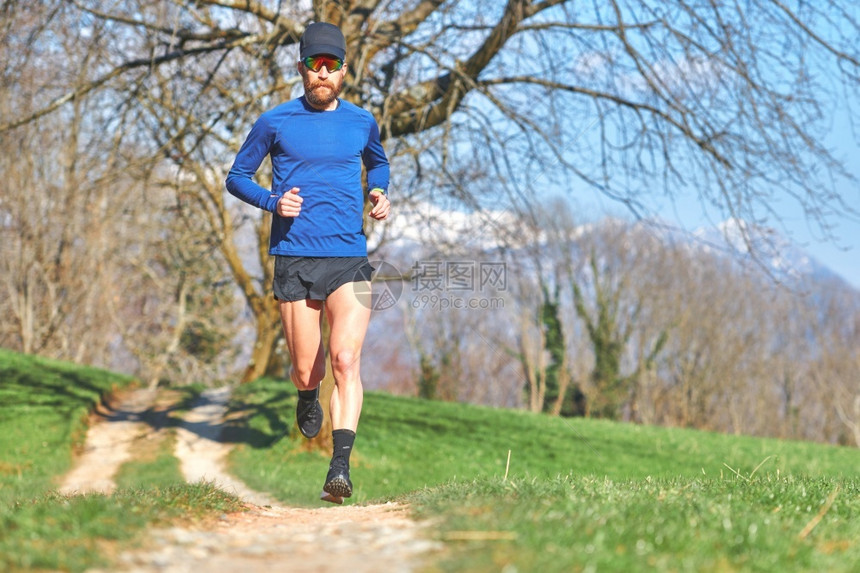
<point x="202" y="456"/>
<point x="108" y="444"/>
<point x="268" y="536"/>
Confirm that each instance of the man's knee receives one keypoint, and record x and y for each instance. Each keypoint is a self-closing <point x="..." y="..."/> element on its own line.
<point x="345" y="361"/>
<point x="307" y="378"/>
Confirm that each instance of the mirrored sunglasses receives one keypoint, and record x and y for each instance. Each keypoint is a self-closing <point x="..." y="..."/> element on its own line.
<point x="315" y="63"/>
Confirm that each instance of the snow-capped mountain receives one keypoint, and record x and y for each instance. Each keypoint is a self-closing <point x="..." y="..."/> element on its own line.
<point x="765" y="247"/>
<point x="422" y="226"/>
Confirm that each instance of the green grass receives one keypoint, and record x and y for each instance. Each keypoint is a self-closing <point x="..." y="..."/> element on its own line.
<point x="407" y="444"/>
<point x="154" y="464"/>
<point x="44" y="406"/>
<point x="56" y="532"/>
<point x="678" y="524"/>
<point x="579" y="494"/>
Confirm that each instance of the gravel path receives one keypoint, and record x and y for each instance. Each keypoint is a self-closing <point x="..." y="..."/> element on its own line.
<point x="267" y="537"/>
<point x="354" y="539"/>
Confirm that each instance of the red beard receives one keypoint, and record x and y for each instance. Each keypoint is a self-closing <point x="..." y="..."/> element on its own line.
<point x="321" y="93"/>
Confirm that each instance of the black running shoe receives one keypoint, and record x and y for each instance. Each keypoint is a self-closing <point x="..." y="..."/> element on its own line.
<point x="309" y="416"/>
<point x="337" y="482"/>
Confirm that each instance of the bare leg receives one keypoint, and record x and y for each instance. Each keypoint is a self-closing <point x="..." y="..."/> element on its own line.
<point x="348" y="314"/>
<point x="301" y="320"/>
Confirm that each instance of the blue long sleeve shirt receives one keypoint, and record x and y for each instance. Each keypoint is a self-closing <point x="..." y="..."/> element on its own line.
<point x="321" y="153"/>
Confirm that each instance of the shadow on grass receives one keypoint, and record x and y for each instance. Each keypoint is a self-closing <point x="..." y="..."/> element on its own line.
<point x="52" y="388"/>
<point x="31" y="382"/>
<point x="272" y="421"/>
<point x="67" y="390"/>
<point x="279" y="424"/>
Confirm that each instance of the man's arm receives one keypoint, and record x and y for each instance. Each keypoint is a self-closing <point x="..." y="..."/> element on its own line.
<point x="375" y="160"/>
<point x="240" y="182"/>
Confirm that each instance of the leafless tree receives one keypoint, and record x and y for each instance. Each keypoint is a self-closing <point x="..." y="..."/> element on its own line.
<point x="635" y="99"/>
<point x="835" y="371"/>
<point x="548" y="343"/>
<point x="98" y="265"/>
<point x="58" y="211"/>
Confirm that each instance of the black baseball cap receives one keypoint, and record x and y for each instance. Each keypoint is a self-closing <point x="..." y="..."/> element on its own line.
<point x="322" y="38"/>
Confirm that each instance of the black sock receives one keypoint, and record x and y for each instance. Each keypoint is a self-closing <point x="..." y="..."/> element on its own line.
<point x="309" y="395"/>
<point x="343" y="441"/>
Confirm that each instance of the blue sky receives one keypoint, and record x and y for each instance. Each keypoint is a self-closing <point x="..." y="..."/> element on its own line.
<point x="840" y="251"/>
<point x="843" y="254"/>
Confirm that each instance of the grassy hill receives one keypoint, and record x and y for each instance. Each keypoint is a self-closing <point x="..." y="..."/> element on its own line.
<point x="576" y="495"/>
<point x="579" y="494"/>
<point x="407" y="444"/>
<point x="44" y="407"/>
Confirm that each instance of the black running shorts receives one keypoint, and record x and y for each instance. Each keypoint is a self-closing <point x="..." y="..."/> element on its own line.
<point x="300" y="278"/>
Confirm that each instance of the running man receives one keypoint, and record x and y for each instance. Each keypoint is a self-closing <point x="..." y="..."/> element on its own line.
<point x="317" y="144"/>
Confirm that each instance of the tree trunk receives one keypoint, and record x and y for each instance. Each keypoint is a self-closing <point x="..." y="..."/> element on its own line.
<point x="267" y="326"/>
